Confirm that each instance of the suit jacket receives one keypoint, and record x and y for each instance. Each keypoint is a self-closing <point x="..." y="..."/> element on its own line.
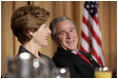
<point x="79" y="68"/>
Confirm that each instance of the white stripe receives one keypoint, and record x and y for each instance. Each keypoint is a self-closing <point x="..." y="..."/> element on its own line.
<point x="84" y="44"/>
<point x="85" y="29"/>
<point x="94" y="58"/>
<point x="101" y="55"/>
<point x="96" y="15"/>
<point x="99" y="27"/>
<point x="95" y="46"/>
<point x="86" y="14"/>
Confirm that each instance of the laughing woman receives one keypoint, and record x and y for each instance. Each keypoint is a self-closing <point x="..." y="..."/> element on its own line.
<point x="28" y="24"/>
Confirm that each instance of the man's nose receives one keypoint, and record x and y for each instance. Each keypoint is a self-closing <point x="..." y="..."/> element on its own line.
<point x="68" y="35"/>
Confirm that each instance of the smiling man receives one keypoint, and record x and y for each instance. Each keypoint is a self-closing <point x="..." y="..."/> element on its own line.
<point x="64" y="34"/>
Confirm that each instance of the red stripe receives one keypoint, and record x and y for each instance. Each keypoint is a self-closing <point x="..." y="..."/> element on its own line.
<point x="85" y="37"/>
<point x="94" y="53"/>
<point x="97" y="57"/>
<point x="95" y="19"/>
<point x="85" y="21"/>
<point x="82" y="49"/>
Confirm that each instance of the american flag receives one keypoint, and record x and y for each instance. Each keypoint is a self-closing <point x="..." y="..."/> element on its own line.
<point x="91" y="34"/>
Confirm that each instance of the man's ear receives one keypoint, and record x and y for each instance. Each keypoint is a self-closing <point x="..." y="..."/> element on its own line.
<point x="54" y="39"/>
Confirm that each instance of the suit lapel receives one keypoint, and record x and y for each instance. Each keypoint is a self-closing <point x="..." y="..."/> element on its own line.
<point x="79" y="61"/>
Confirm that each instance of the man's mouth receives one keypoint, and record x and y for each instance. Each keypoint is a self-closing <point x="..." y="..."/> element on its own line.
<point x="70" y="41"/>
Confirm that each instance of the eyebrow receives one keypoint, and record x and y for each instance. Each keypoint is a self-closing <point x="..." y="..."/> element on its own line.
<point x="61" y="32"/>
<point x="73" y="28"/>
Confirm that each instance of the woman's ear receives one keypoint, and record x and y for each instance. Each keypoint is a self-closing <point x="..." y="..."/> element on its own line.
<point x="31" y="33"/>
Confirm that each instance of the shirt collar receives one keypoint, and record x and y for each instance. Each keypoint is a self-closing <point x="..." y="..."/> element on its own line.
<point x="74" y="52"/>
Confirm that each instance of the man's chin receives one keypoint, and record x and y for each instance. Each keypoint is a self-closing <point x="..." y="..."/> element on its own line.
<point x="72" y="49"/>
<point x="69" y="48"/>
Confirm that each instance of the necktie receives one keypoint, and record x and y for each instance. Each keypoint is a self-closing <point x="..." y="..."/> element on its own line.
<point x="83" y="57"/>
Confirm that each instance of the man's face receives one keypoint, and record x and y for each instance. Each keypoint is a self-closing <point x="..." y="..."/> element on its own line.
<point x="66" y="35"/>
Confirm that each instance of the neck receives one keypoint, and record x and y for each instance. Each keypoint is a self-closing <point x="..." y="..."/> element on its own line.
<point x="32" y="48"/>
<point x="76" y="50"/>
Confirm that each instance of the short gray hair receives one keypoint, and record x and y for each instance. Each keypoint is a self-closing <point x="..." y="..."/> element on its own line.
<point x="57" y="20"/>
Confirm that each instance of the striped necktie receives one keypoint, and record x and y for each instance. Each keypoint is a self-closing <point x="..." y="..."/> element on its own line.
<point x="83" y="57"/>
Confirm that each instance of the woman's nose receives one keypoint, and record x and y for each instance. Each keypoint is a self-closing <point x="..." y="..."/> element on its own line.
<point x="49" y="31"/>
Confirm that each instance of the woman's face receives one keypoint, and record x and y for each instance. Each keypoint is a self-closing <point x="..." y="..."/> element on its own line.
<point x="40" y="37"/>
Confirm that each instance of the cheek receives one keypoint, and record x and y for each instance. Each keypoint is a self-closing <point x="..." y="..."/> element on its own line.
<point x="41" y="34"/>
<point x="62" y="39"/>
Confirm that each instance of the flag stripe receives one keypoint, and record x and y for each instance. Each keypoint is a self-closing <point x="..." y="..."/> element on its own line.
<point x="95" y="27"/>
<point x="84" y="45"/>
<point x="85" y="21"/>
<point x="95" y="36"/>
<point x="83" y="49"/>
<point x="97" y="58"/>
<point x="85" y="37"/>
<point x="85" y="29"/>
<point x="95" y="19"/>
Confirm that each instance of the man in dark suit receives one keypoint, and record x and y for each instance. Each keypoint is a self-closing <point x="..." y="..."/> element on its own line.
<point x="64" y="34"/>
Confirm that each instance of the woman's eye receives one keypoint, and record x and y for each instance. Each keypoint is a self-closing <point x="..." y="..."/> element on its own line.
<point x="45" y="26"/>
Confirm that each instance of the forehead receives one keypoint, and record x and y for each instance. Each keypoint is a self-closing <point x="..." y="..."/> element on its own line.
<point x="64" y="25"/>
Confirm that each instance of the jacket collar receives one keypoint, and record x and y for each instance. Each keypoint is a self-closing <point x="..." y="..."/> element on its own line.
<point x="60" y="50"/>
<point x="22" y="49"/>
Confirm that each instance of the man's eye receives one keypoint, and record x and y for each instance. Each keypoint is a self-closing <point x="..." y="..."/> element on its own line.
<point x="71" y="30"/>
<point x="62" y="33"/>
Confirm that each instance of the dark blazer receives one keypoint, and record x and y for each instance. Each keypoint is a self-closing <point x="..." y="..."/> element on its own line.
<point x="79" y="68"/>
<point x="49" y="60"/>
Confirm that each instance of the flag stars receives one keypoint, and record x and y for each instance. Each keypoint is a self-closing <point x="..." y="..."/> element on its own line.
<point x="92" y="6"/>
<point x="87" y="6"/>
<point x="96" y="6"/>
<point x="91" y="11"/>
